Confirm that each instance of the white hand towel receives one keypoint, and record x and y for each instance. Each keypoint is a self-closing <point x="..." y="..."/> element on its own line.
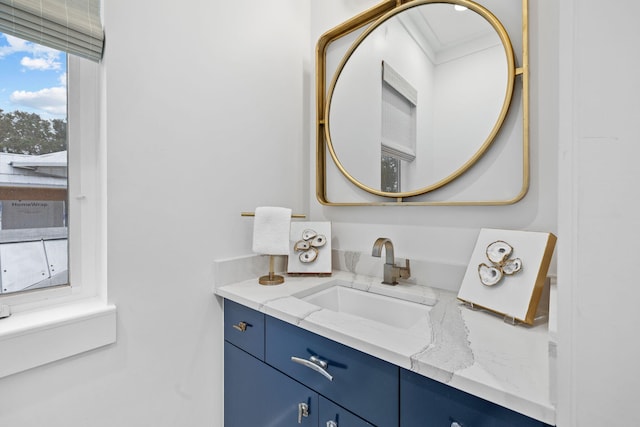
<point x="271" y="228"/>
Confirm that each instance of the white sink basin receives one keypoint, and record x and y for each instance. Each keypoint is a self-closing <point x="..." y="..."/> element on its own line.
<point x="380" y="308"/>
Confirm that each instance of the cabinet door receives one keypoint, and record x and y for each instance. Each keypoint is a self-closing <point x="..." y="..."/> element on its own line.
<point x="332" y="415"/>
<point x="425" y="402"/>
<point x="256" y="395"/>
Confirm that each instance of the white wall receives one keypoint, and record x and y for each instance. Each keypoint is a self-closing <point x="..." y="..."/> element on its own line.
<point x="469" y="95"/>
<point x="206" y="117"/>
<point x="598" y="347"/>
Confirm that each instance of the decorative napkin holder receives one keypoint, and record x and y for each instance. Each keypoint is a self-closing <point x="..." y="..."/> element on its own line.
<point x="507" y="272"/>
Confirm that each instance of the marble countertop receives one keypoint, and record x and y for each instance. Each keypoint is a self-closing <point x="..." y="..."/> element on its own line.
<point x="470" y="350"/>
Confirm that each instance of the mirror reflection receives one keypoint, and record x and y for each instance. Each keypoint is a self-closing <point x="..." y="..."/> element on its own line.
<point x="418" y="98"/>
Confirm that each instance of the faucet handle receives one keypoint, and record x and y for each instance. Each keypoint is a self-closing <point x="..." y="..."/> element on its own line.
<point x="405" y="272"/>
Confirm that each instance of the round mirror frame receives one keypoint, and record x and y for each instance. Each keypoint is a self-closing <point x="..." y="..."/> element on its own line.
<point x="376" y="16"/>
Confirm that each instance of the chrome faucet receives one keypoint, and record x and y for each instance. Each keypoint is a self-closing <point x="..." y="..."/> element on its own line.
<point x="391" y="271"/>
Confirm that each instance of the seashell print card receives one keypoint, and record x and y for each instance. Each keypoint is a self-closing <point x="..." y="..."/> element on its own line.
<point x="309" y="248"/>
<point x="507" y="271"/>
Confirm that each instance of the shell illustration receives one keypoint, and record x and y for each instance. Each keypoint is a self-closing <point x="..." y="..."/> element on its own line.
<point x="512" y="266"/>
<point x="489" y="275"/>
<point x="309" y="245"/>
<point x="301" y="245"/>
<point x="308" y="256"/>
<point x="499" y="251"/>
<point x="318" y="241"/>
<point x="309" y="234"/>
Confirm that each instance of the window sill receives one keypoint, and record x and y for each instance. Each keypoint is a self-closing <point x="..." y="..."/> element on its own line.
<point x="37" y="337"/>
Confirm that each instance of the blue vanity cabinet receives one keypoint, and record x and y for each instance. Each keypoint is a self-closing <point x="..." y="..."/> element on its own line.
<point x="361" y="383"/>
<point x="257" y="395"/>
<point x="425" y="402"/>
<point x="265" y="386"/>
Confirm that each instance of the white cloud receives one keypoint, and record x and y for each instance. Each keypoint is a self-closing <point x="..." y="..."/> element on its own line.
<point x="40" y="63"/>
<point x="51" y="100"/>
<point x="14" y="45"/>
<point x="40" y="57"/>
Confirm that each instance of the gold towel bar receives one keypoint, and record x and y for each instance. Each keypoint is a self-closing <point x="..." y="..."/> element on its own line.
<point x="253" y="214"/>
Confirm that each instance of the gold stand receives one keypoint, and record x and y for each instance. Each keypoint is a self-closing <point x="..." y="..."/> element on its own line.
<point x="271" y="278"/>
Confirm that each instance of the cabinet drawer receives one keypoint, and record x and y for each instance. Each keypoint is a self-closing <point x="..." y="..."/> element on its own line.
<point x="244" y="328"/>
<point x="361" y="383"/>
<point x="425" y="402"/>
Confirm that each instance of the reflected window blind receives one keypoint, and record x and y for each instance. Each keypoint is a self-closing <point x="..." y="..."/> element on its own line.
<point x="399" y="101"/>
<point x="72" y="26"/>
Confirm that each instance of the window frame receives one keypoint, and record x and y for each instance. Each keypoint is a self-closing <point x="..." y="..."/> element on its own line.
<point x="77" y="318"/>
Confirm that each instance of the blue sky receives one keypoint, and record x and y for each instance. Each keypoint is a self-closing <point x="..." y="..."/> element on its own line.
<point x="32" y="78"/>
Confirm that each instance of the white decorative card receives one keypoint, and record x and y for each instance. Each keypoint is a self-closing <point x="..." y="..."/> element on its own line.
<point x="507" y="271"/>
<point x="310" y="247"/>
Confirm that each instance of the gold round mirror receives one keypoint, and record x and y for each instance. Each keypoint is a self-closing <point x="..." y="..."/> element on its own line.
<point x="419" y="97"/>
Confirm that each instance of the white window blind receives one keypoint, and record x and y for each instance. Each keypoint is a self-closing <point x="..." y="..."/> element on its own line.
<point x="399" y="101"/>
<point x="73" y="26"/>
<point x="398" y="128"/>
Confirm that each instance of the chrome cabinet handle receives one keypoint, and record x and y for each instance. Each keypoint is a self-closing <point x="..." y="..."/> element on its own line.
<point x="456" y="424"/>
<point x="241" y="326"/>
<point x="332" y="424"/>
<point x="314" y="363"/>
<point x="303" y="411"/>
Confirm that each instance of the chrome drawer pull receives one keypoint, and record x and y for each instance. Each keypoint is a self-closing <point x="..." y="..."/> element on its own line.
<point x="303" y="411"/>
<point x="332" y="424"/>
<point x="316" y="364"/>
<point x="242" y="326"/>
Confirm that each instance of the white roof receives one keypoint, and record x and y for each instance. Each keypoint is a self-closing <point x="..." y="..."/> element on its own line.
<point x="58" y="160"/>
<point x="23" y="170"/>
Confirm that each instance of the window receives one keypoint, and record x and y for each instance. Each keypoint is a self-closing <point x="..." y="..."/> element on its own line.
<point x="54" y="322"/>
<point x="76" y="318"/>
<point x="398" y="128"/>
<point x="390" y="173"/>
<point x="33" y="166"/>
